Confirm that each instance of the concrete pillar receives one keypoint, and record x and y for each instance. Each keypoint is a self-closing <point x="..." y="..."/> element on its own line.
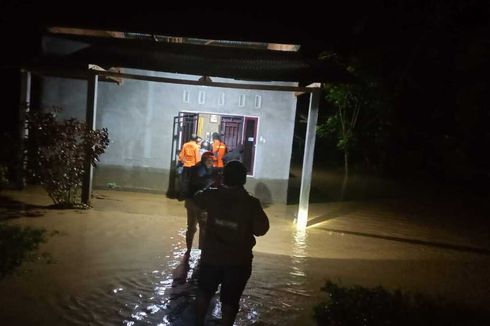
<point x="90" y="121"/>
<point x="304" y="195"/>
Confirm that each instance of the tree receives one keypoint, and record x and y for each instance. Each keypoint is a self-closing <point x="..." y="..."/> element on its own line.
<point x="57" y="152"/>
<point x="359" y="119"/>
<point x="348" y="101"/>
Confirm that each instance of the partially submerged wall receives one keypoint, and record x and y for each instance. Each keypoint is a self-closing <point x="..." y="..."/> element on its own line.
<point x="139" y="116"/>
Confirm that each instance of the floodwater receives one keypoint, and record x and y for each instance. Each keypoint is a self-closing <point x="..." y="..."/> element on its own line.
<point x="122" y="262"/>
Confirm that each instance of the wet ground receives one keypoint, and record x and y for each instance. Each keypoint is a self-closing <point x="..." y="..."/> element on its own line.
<point x="121" y="262"/>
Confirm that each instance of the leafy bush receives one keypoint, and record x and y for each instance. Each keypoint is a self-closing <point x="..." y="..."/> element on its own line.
<point x="58" y="151"/>
<point x="18" y="244"/>
<point x="376" y="306"/>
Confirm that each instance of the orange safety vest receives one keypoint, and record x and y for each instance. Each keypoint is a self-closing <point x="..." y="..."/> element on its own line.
<point x="189" y="155"/>
<point x="219" y="150"/>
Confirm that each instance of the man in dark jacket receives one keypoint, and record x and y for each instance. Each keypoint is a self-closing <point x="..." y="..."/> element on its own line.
<point x="201" y="176"/>
<point x="234" y="219"/>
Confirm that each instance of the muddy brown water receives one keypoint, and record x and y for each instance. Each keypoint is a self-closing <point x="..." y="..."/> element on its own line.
<point x="121" y="262"/>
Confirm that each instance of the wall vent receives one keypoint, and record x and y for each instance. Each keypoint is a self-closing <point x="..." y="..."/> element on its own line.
<point x="202" y="97"/>
<point x="186" y="96"/>
<point x="258" y="101"/>
<point x="241" y="100"/>
<point x="221" y="99"/>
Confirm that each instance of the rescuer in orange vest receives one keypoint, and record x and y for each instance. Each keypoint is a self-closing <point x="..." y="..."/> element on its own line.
<point x="219" y="150"/>
<point x="189" y="154"/>
<point x="188" y="157"/>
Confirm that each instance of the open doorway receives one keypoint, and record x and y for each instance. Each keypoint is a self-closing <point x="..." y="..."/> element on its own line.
<point x="236" y="132"/>
<point x="184" y="125"/>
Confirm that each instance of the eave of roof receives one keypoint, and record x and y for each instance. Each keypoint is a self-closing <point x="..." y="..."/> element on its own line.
<point x="235" y="63"/>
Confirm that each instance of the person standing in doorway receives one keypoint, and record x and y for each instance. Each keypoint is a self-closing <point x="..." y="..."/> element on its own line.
<point x="188" y="157"/>
<point x="234" y="219"/>
<point x="206" y="144"/>
<point x="219" y="150"/>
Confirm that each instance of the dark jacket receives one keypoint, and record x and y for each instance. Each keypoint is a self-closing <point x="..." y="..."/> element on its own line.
<point x="200" y="178"/>
<point x="234" y="219"/>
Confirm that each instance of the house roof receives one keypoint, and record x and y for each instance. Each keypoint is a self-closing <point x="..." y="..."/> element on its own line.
<point x="314" y="29"/>
<point x="242" y="63"/>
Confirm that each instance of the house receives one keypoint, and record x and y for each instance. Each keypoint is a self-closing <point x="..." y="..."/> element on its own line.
<point x="151" y="92"/>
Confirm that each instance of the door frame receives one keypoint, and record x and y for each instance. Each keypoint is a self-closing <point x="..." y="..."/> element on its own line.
<point x="244" y="116"/>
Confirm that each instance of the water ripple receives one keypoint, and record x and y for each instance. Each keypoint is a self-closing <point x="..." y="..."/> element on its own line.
<point x="165" y="295"/>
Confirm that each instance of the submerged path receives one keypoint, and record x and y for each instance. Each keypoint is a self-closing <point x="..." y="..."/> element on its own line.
<point x="121" y="262"/>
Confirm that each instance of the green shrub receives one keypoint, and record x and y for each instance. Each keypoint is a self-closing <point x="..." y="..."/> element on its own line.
<point x="58" y="152"/>
<point x="353" y="306"/>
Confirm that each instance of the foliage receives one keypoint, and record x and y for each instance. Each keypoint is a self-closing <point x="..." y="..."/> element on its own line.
<point x="18" y="244"/>
<point x="376" y="306"/>
<point x="357" y="114"/>
<point x="348" y="99"/>
<point x="58" y="152"/>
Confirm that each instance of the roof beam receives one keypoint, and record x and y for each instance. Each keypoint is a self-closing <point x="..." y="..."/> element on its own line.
<point x="204" y="82"/>
<point x="313" y="85"/>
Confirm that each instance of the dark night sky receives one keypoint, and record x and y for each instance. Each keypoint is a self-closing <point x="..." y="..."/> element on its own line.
<point x="433" y="54"/>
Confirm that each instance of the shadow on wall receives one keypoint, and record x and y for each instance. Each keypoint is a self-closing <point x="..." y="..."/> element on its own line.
<point x="263" y="194"/>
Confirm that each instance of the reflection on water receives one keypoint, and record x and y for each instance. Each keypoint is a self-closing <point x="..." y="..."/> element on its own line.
<point x="275" y="293"/>
<point x="174" y="291"/>
<point x="298" y="255"/>
<point x="163" y="296"/>
<point x="119" y="265"/>
<point x="277" y="287"/>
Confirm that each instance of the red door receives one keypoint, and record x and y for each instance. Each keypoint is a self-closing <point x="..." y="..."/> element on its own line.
<point x="231" y="131"/>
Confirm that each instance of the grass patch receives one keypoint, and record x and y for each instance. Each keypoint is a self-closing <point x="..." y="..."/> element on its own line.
<point x="352" y="306"/>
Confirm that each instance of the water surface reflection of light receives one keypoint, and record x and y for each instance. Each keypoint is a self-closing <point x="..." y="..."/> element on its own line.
<point x="174" y="291"/>
<point x="298" y="255"/>
<point x="165" y="293"/>
<point x="302" y="219"/>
